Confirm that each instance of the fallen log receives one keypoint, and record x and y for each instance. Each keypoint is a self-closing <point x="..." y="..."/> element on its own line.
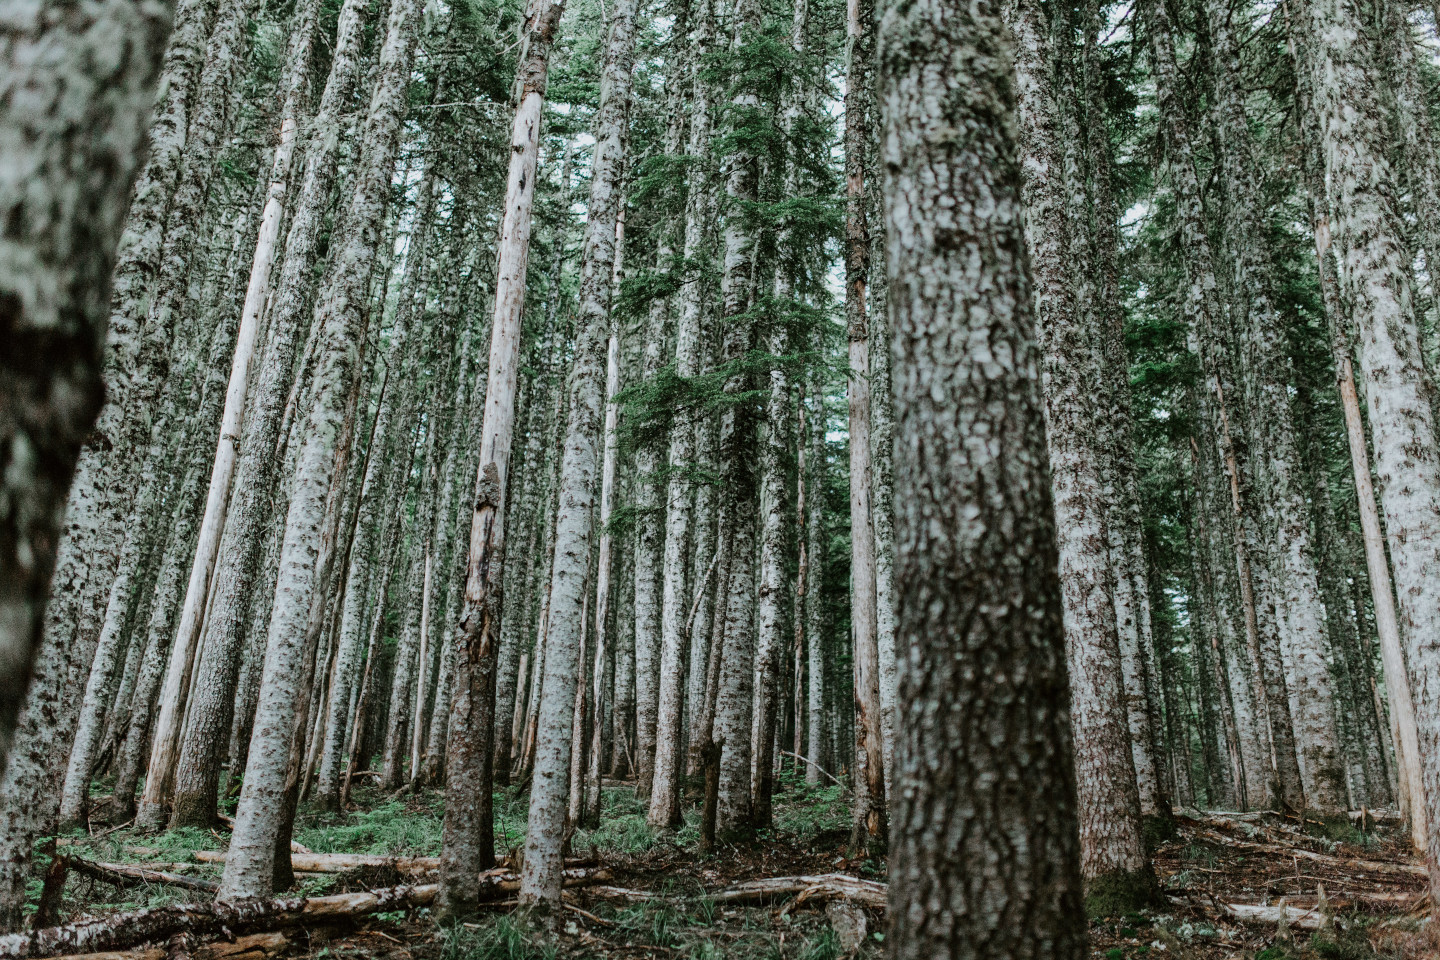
<point x="619" y="893"/>
<point x="254" y="947"/>
<point x="825" y="886"/>
<point x="129" y="875"/>
<point x="202" y="920"/>
<point x="136" y="927"/>
<point x="1311" y="919"/>
<point x="343" y="862"/>
<point x="1384" y="867"/>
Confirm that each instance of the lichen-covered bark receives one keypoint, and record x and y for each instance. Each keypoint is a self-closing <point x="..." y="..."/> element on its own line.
<point x="540" y="878"/>
<point x="252" y="506"/>
<point x="1271" y="371"/>
<point x="1109" y="801"/>
<point x="675" y="600"/>
<point x="343" y="313"/>
<point x="1095" y="239"/>
<point x="1376" y="278"/>
<point x="870" y="816"/>
<point x="774" y="525"/>
<point x="984" y="844"/>
<point x="815" y="563"/>
<point x="1222" y="409"/>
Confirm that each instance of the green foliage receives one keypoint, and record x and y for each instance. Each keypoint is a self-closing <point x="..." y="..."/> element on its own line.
<point x="390" y="829"/>
<point x="810" y="812"/>
<point x="504" y="938"/>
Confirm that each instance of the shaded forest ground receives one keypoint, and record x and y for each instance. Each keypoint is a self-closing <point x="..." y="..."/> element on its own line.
<point x="659" y="897"/>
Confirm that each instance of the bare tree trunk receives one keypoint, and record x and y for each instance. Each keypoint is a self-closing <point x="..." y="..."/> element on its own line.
<point x="664" y="811"/>
<point x="985" y="805"/>
<point x="1112" y="851"/>
<point x="1322" y="765"/>
<point x="237" y="573"/>
<point x="1375" y="273"/>
<point x="769" y="646"/>
<point x="468" y="842"/>
<point x="560" y="696"/>
<point x="591" y="816"/>
<point x="815" y="561"/>
<point x="1204" y="310"/>
<point x="870" y="829"/>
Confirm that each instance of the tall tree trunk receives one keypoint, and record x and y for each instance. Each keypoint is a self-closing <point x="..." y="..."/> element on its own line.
<point x="122" y="98"/>
<point x="984" y="774"/>
<point x="733" y="680"/>
<point x="251" y="512"/>
<point x="1112" y="851"/>
<point x="815" y="561"/>
<point x="1376" y="277"/>
<point x="603" y="564"/>
<point x="664" y="811"/>
<point x="105" y="488"/>
<point x="1206" y="315"/>
<point x="769" y="645"/>
<point x="167" y="750"/>
<point x="467" y="840"/>
<point x="1321" y="765"/>
<point x="1091" y="202"/>
<point x="343" y="312"/>
<point x="540" y="878"/>
<point x="869" y="832"/>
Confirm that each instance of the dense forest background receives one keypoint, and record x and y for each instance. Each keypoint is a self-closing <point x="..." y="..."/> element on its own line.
<point x="506" y="453"/>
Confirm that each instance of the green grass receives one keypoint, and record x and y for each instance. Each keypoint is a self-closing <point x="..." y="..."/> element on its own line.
<point x="805" y="812"/>
<point x="503" y="939"/>
<point x="388" y="830"/>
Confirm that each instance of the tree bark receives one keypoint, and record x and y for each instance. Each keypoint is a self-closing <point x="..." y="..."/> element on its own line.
<point x="869" y="832"/>
<point x="984" y="773"/>
<point x="540" y="882"/>
<point x="1204" y="310"/>
<point x="343" y="313"/>
<point x="1374" y="269"/>
<point x="467" y="840"/>
<point x="237" y="574"/>
<point x="1112" y="851"/>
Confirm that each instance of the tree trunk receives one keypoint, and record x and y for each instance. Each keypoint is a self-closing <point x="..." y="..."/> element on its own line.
<point x="540" y="881"/>
<point x="237" y="573"/>
<point x="815" y="561"/>
<point x="1112" y="851"/>
<point x="869" y="832"/>
<point x="769" y="643"/>
<point x="343" y="313"/>
<point x="985" y="805"/>
<point x="1321" y="759"/>
<point x="664" y="810"/>
<point x="1206" y="315"/>
<point x="1374" y="269"/>
<point x="467" y="840"/>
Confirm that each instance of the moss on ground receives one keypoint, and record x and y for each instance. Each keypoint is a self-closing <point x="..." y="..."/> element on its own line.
<point x="1122" y="893"/>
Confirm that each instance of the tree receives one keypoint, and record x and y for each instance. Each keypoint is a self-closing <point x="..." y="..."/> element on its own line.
<point x="976" y="562"/>
<point x="540" y="880"/>
<point x="1112" y="850"/>
<point x="870" y="809"/>
<point x="467" y="843"/>
<point x="1375" y="275"/>
<point x="341" y="315"/>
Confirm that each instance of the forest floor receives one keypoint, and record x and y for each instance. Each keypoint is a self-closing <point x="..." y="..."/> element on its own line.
<point x="1228" y="878"/>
